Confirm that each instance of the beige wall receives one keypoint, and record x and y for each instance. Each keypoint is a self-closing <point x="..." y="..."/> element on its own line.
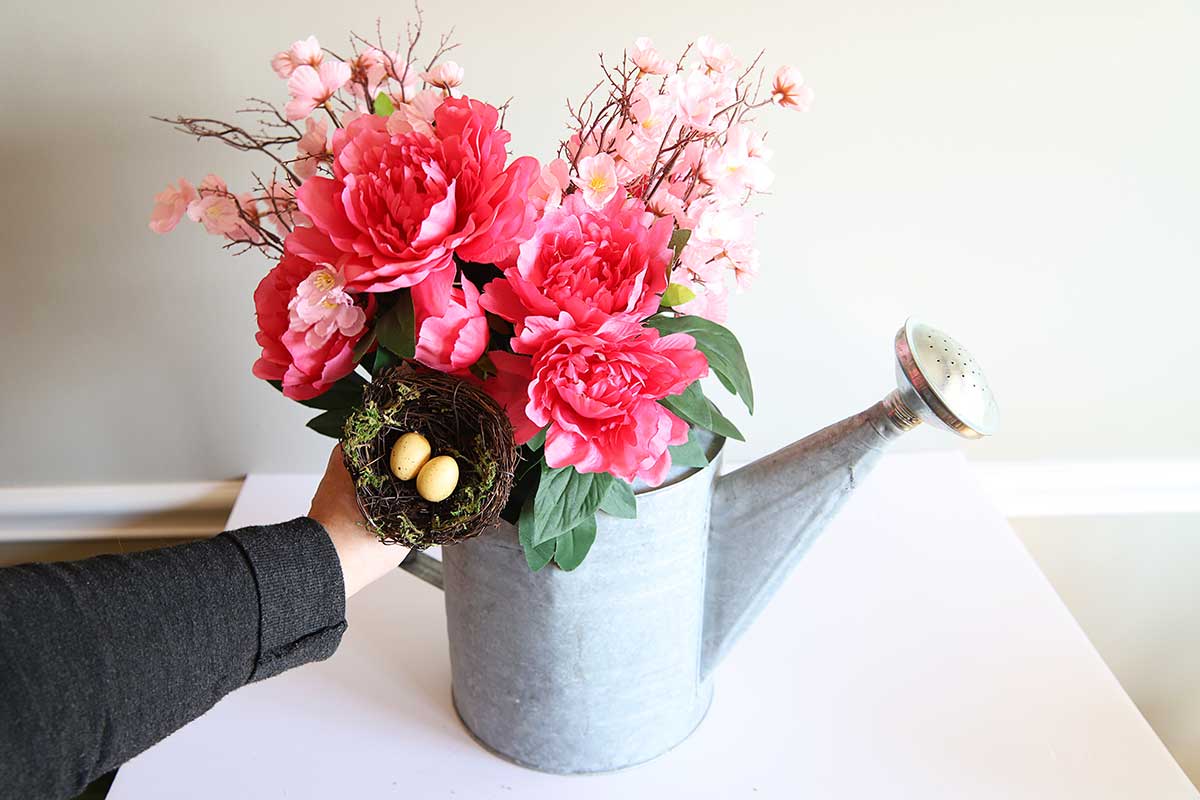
<point x="1024" y="174"/>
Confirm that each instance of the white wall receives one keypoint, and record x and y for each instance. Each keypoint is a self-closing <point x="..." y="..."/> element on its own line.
<point x="1023" y="174"/>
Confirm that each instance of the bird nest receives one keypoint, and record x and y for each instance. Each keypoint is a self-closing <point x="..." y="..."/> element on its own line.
<point x="459" y="420"/>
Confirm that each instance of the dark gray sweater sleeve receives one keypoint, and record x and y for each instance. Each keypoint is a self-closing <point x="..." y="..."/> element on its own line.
<point x="99" y="659"/>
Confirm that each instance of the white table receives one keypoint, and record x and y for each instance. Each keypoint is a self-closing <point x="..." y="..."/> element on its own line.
<point x="917" y="652"/>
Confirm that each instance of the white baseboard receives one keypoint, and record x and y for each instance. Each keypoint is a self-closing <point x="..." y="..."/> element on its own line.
<point x="190" y="509"/>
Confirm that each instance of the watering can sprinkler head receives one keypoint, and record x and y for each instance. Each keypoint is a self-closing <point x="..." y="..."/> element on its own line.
<point x="939" y="383"/>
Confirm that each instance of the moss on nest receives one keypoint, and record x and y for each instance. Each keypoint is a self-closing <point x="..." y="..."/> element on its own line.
<point x="458" y="420"/>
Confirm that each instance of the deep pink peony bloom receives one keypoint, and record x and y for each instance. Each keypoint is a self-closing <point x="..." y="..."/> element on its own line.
<point x="510" y="388"/>
<point x="613" y="261"/>
<point x="455" y="339"/>
<point x="402" y="204"/>
<point x="595" y="382"/>
<point x="307" y="327"/>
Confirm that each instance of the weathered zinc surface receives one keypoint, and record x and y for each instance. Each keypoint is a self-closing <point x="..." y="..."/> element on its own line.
<point x="595" y="669"/>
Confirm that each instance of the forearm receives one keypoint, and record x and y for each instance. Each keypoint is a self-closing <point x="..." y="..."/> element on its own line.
<point x="99" y="659"/>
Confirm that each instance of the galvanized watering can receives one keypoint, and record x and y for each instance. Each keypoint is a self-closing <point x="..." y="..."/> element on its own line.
<point x="612" y="665"/>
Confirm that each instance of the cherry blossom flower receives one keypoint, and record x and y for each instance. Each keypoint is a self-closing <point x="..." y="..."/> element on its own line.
<point x="304" y="52"/>
<point x="311" y="88"/>
<point x="699" y="96"/>
<point x="445" y="75"/>
<point x="647" y="59"/>
<point x="282" y="210"/>
<point x="717" y="57"/>
<point x="170" y="205"/>
<point x="598" y="180"/>
<point x="312" y="147"/>
<point x="217" y="212"/>
<point x="653" y="113"/>
<point x="739" y="165"/>
<point x="788" y="90"/>
<point x="547" y="191"/>
<point x="322" y="308"/>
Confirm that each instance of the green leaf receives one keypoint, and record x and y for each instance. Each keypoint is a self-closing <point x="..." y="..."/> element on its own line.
<point x="572" y="547"/>
<point x="692" y="406"/>
<point x="383" y="105"/>
<point x="331" y="423"/>
<point x="619" y="501"/>
<point x="538" y="441"/>
<point x="689" y="454"/>
<point x="384" y="358"/>
<point x="719" y="346"/>
<point x="679" y="240"/>
<point x="362" y="346"/>
<point x="536" y="556"/>
<point x="397" y="327"/>
<point x="677" y="294"/>
<point x="345" y="393"/>
<point x="564" y="498"/>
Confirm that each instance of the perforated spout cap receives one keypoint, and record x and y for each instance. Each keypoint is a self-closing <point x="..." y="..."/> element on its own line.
<point x="940" y="383"/>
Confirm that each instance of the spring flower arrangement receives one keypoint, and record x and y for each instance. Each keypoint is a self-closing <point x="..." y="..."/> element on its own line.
<point x="584" y="294"/>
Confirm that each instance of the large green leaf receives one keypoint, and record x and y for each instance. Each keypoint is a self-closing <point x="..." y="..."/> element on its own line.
<point x="690" y="453"/>
<point x="572" y="547"/>
<point x="620" y="500"/>
<point x="331" y="423"/>
<point x="692" y="406"/>
<point x="397" y="328"/>
<point x="345" y="393"/>
<point x="719" y="345"/>
<point x="536" y="556"/>
<point x="564" y="498"/>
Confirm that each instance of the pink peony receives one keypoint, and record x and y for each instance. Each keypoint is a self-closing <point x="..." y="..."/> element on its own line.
<point x="596" y="384"/>
<point x="613" y="261"/>
<point x="510" y="388"/>
<point x="400" y="205"/>
<point x="307" y="327"/>
<point x="170" y="205"/>
<point x="456" y="338"/>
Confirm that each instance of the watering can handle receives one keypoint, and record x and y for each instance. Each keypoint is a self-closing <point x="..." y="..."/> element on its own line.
<point x="427" y="568"/>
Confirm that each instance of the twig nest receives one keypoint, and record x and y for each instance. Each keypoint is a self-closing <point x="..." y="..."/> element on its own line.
<point x="407" y="415"/>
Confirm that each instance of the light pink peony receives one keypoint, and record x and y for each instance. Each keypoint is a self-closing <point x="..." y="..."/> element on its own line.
<point x="307" y="327"/>
<point x="401" y="205"/>
<point x="454" y="339"/>
<point x="613" y="261"/>
<point x="170" y="205"/>
<point x="596" y="384"/>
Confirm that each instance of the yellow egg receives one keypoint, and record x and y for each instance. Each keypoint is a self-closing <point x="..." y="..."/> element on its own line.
<point x="409" y="454"/>
<point x="437" y="479"/>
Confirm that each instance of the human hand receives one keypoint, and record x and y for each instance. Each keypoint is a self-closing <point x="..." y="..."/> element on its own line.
<point x="363" y="557"/>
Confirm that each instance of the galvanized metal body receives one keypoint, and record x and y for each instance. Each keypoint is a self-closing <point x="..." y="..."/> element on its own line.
<point x="611" y="665"/>
<point x="592" y="670"/>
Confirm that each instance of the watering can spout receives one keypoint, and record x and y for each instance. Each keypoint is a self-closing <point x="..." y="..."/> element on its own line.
<point x="767" y="514"/>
